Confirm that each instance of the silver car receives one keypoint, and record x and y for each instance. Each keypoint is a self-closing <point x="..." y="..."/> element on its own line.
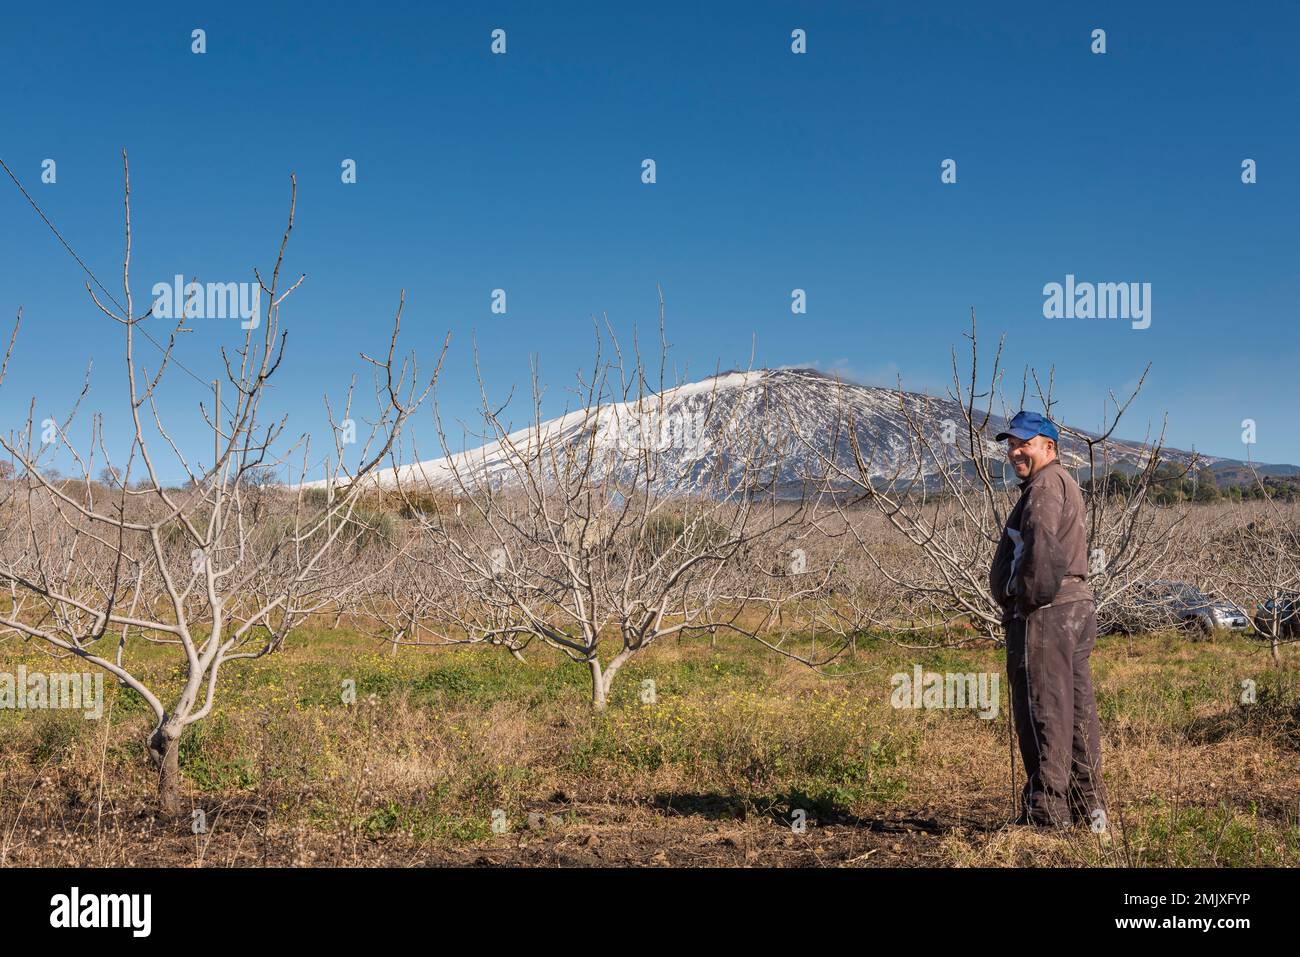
<point x="1163" y="604"/>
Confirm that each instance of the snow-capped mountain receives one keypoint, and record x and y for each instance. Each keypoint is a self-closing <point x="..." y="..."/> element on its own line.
<point x="794" y="420"/>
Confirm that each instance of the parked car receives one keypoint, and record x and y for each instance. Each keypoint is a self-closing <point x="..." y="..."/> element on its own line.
<point x="1280" y="616"/>
<point x="1163" y="604"/>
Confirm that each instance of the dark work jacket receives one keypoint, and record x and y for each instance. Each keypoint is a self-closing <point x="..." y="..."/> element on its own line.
<point x="1053" y="564"/>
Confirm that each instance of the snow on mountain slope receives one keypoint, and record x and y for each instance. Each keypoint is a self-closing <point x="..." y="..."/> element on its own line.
<point x="800" y="412"/>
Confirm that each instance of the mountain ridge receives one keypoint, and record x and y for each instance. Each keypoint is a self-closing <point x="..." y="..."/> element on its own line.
<point x="685" y="422"/>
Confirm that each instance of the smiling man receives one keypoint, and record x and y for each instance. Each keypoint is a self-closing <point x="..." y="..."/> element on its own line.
<point x="1039" y="577"/>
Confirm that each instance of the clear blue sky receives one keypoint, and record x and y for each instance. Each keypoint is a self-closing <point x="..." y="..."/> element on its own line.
<point x="775" y="171"/>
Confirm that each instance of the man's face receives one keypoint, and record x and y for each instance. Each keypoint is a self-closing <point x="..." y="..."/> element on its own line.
<point x="1027" y="456"/>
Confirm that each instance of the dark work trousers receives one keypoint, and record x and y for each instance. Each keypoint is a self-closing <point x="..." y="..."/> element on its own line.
<point x="1055" y="713"/>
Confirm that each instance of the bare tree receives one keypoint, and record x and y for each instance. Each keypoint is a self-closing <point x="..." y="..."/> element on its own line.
<point x="614" y="527"/>
<point x="946" y="495"/>
<point x="195" y="568"/>
<point x="1252" y="555"/>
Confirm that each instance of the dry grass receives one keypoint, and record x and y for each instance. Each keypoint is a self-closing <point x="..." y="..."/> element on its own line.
<point x="713" y="772"/>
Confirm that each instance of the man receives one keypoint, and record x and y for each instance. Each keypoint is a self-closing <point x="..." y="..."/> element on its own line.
<point x="1039" y="577"/>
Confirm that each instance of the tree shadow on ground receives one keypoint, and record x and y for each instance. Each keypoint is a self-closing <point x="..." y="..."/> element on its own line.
<point x="821" y="810"/>
<point x="1268" y="719"/>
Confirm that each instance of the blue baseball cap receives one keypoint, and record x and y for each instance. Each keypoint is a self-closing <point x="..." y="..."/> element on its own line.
<point x="1025" y="425"/>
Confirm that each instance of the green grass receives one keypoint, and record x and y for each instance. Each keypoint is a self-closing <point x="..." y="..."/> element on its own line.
<point x="1168" y="836"/>
<point x="438" y="739"/>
